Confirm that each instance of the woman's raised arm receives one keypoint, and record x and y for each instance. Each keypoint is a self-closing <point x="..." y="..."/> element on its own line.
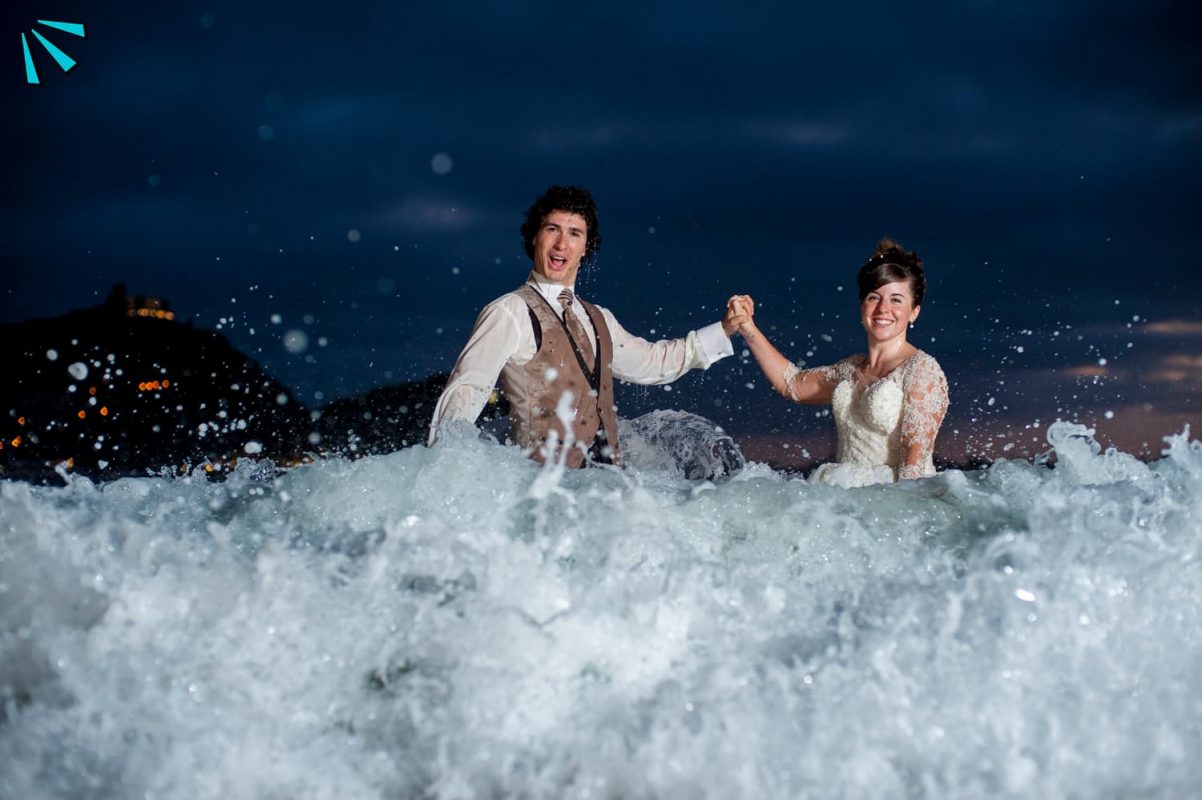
<point x="800" y="386"/>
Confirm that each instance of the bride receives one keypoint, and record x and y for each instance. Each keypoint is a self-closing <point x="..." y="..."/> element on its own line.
<point x="888" y="403"/>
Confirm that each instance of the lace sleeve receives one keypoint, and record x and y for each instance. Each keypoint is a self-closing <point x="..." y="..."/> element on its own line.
<point x="828" y="374"/>
<point x="925" y="405"/>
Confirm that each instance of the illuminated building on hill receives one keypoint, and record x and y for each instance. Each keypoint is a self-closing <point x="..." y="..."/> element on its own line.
<point x="113" y="391"/>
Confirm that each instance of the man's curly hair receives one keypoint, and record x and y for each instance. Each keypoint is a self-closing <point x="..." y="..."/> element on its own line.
<point x="572" y="199"/>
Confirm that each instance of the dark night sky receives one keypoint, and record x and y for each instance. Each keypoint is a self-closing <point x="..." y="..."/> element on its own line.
<point x="246" y="160"/>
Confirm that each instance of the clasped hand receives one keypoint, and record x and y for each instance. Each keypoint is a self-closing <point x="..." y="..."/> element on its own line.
<point x="740" y="309"/>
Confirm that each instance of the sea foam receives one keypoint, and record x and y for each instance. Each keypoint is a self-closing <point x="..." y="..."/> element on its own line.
<point x="452" y="622"/>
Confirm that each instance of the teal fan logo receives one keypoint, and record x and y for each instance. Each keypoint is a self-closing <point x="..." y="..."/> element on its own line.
<point x="64" y="61"/>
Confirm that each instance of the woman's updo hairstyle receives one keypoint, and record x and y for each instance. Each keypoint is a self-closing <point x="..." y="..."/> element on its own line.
<point x="889" y="264"/>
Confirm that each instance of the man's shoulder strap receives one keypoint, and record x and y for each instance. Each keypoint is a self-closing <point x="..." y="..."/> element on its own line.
<point x="532" y="297"/>
<point x="594" y="314"/>
<point x="589" y="307"/>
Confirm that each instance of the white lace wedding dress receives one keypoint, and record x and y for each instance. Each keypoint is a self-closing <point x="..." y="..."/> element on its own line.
<point x="880" y="421"/>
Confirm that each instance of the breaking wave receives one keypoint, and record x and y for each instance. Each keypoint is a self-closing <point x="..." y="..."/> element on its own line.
<point x="456" y="622"/>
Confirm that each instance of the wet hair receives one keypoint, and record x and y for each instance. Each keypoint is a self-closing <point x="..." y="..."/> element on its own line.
<point x="572" y="199"/>
<point x="889" y="264"/>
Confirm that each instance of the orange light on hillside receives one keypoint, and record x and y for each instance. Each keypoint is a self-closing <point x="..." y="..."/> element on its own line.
<point x="92" y="391"/>
<point x="155" y="313"/>
<point x="166" y="383"/>
<point x="82" y="414"/>
<point x="20" y="420"/>
<point x="16" y="442"/>
<point x="104" y="411"/>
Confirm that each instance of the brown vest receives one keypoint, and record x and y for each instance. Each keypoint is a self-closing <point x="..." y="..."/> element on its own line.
<point x="534" y="388"/>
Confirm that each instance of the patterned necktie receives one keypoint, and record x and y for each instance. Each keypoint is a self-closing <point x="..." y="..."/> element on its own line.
<point x="575" y="329"/>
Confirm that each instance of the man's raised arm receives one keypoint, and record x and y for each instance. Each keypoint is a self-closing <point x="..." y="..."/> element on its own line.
<point x="639" y="361"/>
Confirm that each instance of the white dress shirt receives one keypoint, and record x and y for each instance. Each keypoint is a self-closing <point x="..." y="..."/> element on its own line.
<point x="503" y="333"/>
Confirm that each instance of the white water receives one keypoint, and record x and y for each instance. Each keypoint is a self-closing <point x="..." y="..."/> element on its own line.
<point x="452" y="623"/>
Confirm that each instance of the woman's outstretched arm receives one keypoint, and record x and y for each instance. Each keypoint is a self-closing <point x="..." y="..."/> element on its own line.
<point x="800" y="386"/>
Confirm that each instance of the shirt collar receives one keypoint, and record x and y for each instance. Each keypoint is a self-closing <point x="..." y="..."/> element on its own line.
<point x="548" y="290"/>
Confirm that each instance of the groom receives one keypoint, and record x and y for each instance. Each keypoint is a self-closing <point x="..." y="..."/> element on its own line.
<point x="557" y="354"/>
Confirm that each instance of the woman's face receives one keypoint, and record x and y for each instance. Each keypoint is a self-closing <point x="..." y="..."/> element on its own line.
<point x="887" y="311"/>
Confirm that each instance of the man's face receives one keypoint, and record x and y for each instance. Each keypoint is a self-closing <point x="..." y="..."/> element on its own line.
<point x="559" y="246"/>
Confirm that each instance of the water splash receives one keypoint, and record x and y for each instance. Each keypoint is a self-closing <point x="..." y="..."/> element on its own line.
<point x="457" y="622"/>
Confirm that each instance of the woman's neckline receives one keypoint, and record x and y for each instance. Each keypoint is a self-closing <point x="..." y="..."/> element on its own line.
<point x="866" y="382"/>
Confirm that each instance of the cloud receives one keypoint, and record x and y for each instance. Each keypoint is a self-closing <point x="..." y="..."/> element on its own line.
<point x="1182" y="370"/>
<point x="592" y="136"/>
<point x="1181" y="126"/>
<point x="1175" y="327"/>
<point x="428" y="214"/>
<point x="799" y="132"/>
<point x="1085" y="371"/>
